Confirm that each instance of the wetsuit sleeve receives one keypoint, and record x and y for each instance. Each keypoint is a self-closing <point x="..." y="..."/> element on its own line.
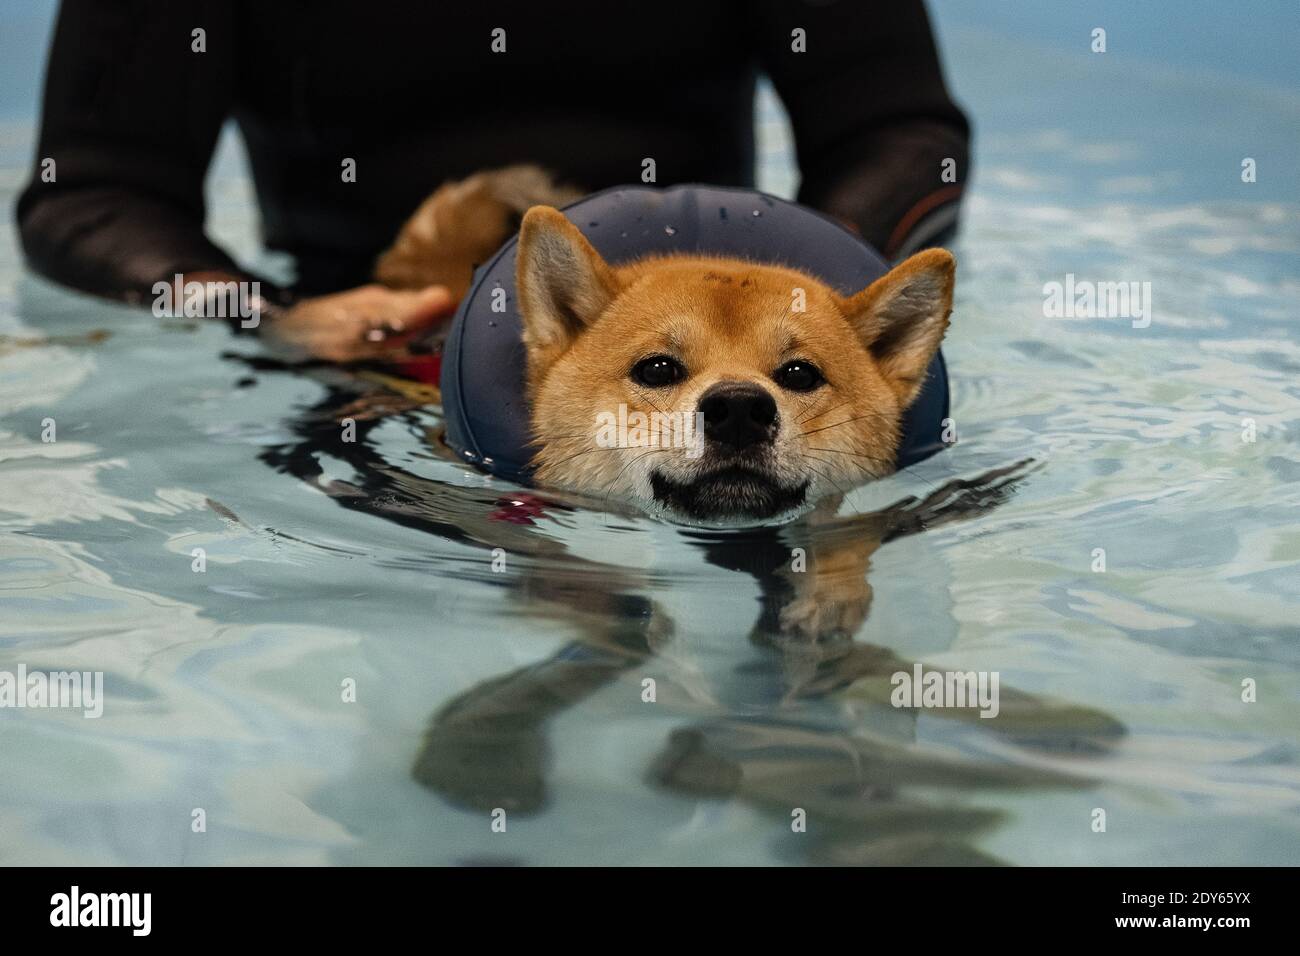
<point x="872" y="118"/>
<point x="131" y="115"/>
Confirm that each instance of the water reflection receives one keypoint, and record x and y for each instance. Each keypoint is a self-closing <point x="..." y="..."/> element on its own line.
<point x="869" y="793"/>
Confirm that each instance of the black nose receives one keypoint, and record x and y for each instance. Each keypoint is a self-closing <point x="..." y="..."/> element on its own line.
<point x="738" y="415"/>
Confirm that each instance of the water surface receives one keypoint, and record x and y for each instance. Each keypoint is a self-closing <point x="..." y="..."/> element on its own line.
<point x="519" y="685"/>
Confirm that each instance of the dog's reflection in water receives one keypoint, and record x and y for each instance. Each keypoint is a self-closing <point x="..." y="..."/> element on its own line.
<point x="870" y="794"/>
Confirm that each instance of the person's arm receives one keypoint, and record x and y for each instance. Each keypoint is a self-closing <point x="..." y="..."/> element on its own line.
<point x="131" y="115"/>
<point x="873" y="121"/>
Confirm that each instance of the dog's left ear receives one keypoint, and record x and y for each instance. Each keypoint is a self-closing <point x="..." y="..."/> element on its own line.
<point x="563" y="285"/>
<point x="901" y="318"/>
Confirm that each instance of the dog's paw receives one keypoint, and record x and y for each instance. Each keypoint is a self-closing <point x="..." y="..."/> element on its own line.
<point x="823" y="613"/>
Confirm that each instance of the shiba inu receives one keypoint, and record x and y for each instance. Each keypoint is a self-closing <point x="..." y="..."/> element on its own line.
<point x="798" y="391"/>
<point x="790" y="391"/>
<point x="765" y="389"/>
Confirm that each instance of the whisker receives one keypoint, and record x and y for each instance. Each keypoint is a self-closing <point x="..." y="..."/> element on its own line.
<point x="808" y="418"/>
<point x="632" y="461"/>
<point x="813" y="403"/>
<point x="613" y="482"/>
<point x="804" y="406"/>
<point x="649" y="400"/>
<point x="854" y="454"/>
<point x="587" y="451"/>
<point x="847" y="421"/>
<point x="641" y="393"/>
<point x="832" y="481"/>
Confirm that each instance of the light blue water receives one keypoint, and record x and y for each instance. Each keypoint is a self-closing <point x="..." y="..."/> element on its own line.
<point x="521" y="688"/>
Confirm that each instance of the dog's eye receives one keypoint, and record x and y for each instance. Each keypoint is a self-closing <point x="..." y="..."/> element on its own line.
<point x="658" y="371"/>
<point x="798" y="376"/>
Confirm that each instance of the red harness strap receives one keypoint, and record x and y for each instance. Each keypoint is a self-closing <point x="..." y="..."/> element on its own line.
<point x="423" y="368"/>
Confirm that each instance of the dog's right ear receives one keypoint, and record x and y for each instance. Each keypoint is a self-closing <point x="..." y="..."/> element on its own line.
<point x="563" y="284"/>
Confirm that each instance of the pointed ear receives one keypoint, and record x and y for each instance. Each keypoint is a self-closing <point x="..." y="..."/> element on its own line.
<point x="563" y="284"/>
<point x="901" y="318"/>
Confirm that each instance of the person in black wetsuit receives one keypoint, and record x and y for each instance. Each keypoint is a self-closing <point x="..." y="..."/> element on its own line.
<point x="419" y="93"/>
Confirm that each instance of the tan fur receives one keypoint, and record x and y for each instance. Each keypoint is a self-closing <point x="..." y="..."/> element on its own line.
<point x="462" y="224"/>
<point x="587" y="324"/>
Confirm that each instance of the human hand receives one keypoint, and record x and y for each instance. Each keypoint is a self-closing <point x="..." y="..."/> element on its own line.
<point x="363" y="323"/>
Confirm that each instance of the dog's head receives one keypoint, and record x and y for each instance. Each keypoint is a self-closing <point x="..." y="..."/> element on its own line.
<point x="723" y="391"/>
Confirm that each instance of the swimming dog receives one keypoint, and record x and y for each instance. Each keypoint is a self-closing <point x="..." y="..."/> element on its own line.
<point x="796" y="392"/>
<point x="755" y="389"/>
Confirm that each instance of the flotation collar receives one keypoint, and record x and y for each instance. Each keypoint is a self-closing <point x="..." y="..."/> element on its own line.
<point x="485" y="410"/>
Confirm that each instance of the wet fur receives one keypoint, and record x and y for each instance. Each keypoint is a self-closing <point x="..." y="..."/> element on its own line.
<point x="462" y="224"/>
<point x="587" y="324"/>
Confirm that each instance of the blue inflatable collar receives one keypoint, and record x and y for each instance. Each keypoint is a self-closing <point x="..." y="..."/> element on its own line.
<point x="486" y="413"/>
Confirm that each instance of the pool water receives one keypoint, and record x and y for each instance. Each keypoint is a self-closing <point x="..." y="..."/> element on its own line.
<point x="392" y="659"/>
